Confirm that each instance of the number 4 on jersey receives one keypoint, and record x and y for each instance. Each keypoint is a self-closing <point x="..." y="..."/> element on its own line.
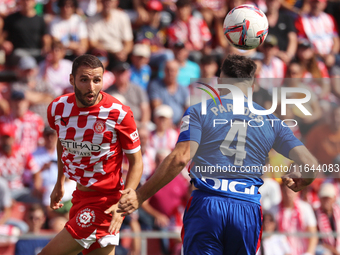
<point x="238" y="128"/>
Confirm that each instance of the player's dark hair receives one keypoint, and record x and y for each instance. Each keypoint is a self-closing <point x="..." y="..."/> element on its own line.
<point x="236" y="66"/>
<point x="183" y="3"/>
<point x="62" y="3"/>
<point x="86" y="60"/>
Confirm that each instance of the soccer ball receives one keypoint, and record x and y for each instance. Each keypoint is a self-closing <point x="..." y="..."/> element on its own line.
<point x="245" y="27"/>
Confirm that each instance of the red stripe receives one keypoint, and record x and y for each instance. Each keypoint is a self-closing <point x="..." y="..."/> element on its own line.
<point x="260" y="236"/>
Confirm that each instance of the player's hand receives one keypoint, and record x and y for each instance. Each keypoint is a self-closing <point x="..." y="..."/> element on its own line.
<point x="117" y="219"/>
<point x="129" y="201"/>
<point x="56" y="196"/>
<point x="295" y="182"/>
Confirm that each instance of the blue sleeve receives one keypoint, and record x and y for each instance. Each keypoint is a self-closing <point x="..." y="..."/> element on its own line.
<point x="191" y="129"/>
<point x="284" y="139"/>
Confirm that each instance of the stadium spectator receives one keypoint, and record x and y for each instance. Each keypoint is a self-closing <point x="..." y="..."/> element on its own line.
<point x="162" y="205"/>
<point x="328" y="219"/>
<point x="140" y="70"/>
<point x="323" y="141"/>
<point x="25" y="32"/>
<point x="208" y="67"/>
<point x="281" y="25"/>
<point x="273" y="244"/>
<point x="108" y="76"/>
<point x="9" y="228"/>
<point x="153" y="34"/>
<point x="306" y="122"/>
<point x="111" y="31"/>
<point x="13" y="163"/>
<point x="35" y="218"/>
<point x="70" y="29"/>
<point x="189" y="29"/>
<point x="320" y="29"/>
<point x="315" y="72"/>
<point x="187" y="69"/>
<point x="29" y="126"/>
<point x="46" y="158"/>
<point x="169" y="92"/>
<point x="295" y="215"/>
<point x="55" y="70"/>
<point x="148" y="153"/>
<point x="272" y="67"/>
<point x="135" y="97"/>
<point x="164" y="136"/>
<point x="38" y="92"/>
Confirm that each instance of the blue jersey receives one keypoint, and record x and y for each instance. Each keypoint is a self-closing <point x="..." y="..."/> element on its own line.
<point x="233" y="148"/>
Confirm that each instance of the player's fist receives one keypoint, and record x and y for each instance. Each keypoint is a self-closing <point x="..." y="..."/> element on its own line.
<point x="129" y="201"/>
<point x="56" y="196"/>
<point x="295" y="182"/>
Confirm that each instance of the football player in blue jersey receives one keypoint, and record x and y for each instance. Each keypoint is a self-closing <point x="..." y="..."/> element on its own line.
<point x="223" y="215"/>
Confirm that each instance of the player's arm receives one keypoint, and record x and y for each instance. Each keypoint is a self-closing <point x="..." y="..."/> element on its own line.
<point x="132" y="181"/>
<point x="166" y="172"/>
<point x="303" y="175"/>
<point x="135" y="170"/>
<point x="58" y="191"/>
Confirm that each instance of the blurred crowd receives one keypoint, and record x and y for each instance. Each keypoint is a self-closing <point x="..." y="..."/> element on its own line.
<point x="152" y="51"/>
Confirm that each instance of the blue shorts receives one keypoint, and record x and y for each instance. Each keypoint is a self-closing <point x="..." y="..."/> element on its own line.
<point x="215" y="225"/>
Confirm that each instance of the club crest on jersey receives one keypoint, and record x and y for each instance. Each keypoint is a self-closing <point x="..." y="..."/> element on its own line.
<point x="85" y="218"/>
<point x="99" y="126"/>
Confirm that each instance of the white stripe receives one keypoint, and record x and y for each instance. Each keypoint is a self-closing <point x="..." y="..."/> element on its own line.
<point x="109" y="240"/>
<point x="132" y="151"/>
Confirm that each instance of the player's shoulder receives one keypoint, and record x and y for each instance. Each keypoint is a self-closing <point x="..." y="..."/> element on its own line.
<point x="67" y="101"/>
<point x="114" y="105"/>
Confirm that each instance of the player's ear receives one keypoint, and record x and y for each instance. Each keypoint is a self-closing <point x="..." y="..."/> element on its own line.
<point x="72" y="79"/>
<point x="253" y="86"/>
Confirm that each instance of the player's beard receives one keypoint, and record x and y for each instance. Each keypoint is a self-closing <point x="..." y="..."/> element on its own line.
<point x="82" y="98"/>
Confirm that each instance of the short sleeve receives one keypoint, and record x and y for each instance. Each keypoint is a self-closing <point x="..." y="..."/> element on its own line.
<point x="308" y="215"/>
<point x="127" y="34"/>
<point x="44" y="27"/>
<point x="50" y="118"/>
<point x="190" y="127"/>
<point x="290" y="24"/>
<point x="91" y="29"/>
<point x="82" y="30"/>
<point x="143" y="96"/>
<point x="154" y="90"/>
<point x="284" y="139"/>
<point x="128" y="134"/>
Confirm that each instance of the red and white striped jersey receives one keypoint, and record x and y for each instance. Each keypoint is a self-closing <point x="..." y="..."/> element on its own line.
<point x="94" y="139"/>
<point x="195" y="32"/>
<point x="12" y="167"/>
<point x="167" y="141"/>
<point x="320" y="31"/>
<point x="29" y="130"/>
